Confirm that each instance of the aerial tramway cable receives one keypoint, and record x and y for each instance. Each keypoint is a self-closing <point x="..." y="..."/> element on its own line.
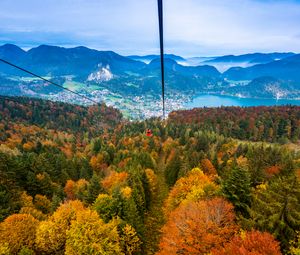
<point x="161" y="43"/>
<point x="48" y="81"/>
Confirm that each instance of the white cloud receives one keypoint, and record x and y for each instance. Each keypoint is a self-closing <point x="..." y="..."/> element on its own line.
<point x="192" y="27"/>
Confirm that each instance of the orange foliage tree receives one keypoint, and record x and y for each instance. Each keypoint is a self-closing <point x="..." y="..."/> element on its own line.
<point x="208" y="167"/>
<point x="272" y="170"/>
<point x="194" y="186"/>
<point x="75" y="190"/>
<point x="197" y="227"/>
<point x="18" y="231"/>
<point x="69" y="189"/>
<point x="250" y="243"/>
<point x="114" y="180"/>
<point x="97" y="163"/>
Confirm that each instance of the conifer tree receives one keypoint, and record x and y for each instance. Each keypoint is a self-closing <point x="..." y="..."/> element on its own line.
<point x="277" y="210"/>
<point x="237" y="189"/>
<point x="172" y="169"/>
<point x="94" y="189"/>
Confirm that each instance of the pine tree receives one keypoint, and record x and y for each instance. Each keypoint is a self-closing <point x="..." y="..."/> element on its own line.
<point x="257" y="162"/>
<point x="94" y="189"/>
<point x="172" y="169"/>
<point x="237" y="189"/>
<point x="277" y="210"/>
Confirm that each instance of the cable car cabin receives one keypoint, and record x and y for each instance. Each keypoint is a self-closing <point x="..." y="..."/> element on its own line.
<point x="149" y="132"/>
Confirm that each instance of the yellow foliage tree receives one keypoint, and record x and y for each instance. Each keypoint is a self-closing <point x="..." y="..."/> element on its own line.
<point x="17" y="231"/>
<point x="126" y="192"/>
<point x="26" y="200"/>
<point x="33" y="212"/>
<point x="4" y="249"/>
<point x="114" y="180"/>
<point x="193" y="187"/>
<point x="42" y="203"/>
<point x="89" y="235"/>
<point x="51" y="234"/>
<point x="96" y="162"/>
<point x="152" y="179"/>
<point x="130" y="241"/>
<point x="29" y="208"/>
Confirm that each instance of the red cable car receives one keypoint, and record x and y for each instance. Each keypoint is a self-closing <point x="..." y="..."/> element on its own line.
<point x="149" y="132"/>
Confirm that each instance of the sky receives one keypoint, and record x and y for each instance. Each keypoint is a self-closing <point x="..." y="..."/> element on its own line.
<point x="130" y="27"/>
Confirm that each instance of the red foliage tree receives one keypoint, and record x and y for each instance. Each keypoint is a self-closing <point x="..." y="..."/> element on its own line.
<point x="250" y="243"/>
<point x="197" y="227"/>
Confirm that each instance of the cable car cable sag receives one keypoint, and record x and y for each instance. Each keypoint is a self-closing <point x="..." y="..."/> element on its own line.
<point x="46" y="80"/>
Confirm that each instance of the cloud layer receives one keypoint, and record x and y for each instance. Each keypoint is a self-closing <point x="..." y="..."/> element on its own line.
<point x="192" y="27"/>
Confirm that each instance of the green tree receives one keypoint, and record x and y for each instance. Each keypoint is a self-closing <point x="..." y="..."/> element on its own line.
<point x="94" y="189"/>
<point x="237" y="189"/>
<point x="277" y="210"/>
<point x="106" y="206"/>
<point x="172" y="169"/>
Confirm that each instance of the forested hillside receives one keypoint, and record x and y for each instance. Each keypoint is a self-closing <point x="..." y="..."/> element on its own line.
<point x="81" y="180"/>
<point x="271" y="124"/>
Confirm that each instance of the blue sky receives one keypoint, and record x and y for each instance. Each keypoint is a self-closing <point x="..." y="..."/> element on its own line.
<point x="192" y="27"/>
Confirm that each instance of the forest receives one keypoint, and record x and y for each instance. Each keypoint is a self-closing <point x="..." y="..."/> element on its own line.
<point x="84" y="180"/>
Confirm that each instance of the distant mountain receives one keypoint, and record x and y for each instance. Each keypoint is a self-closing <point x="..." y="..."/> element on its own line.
<point x="148" y="58"/>
<point x="57" y="61"/>
<point x="172" y="65"/>
<point x="257" y="58"/>
<point x="285" y="69"/>
<point x="107" y="74"/>
<point x="178" y="77"/>
<point x="266" y="87"/>
<point x="224" y="63"/>
<point x="10" y="51"/>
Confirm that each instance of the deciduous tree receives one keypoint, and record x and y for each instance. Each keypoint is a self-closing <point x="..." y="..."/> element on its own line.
<point x="18" y="230"/>
<point x="196" y="185"/>
<point x="197" y="227"/>
<point x="250" y="243"/>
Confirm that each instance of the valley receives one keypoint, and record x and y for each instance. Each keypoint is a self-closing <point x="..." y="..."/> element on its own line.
<point x="132" y="84"/>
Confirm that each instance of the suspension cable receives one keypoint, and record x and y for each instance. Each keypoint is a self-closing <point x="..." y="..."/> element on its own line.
<point x="48" y="81"/>
<point x="161" y="43"/>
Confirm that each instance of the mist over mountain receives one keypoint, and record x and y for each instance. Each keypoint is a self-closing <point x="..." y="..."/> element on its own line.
<point x="106" y="75"/>
<point x="148" y="58"/>
<point x="286" y="69"/>
<point x="223" y="63"/>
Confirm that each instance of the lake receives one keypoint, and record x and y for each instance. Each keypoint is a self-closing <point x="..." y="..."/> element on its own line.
<point x="205" y="100"/>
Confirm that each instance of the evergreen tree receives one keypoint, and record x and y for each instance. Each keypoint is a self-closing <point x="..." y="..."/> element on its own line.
<point x="257" y="162"/>
<point x="94" y="189"/>
<point x="237" y="189"/>
<point x="172" y="169"/>
<point x="55" y="203"/>
<point x="277" y="210"/>
<point x="96" y="145"/>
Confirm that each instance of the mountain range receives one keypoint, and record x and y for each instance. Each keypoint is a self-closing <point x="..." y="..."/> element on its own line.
<point x="270" y="75"/>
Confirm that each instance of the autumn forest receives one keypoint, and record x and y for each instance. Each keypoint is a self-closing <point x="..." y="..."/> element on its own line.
<point x="84" y="180"/>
